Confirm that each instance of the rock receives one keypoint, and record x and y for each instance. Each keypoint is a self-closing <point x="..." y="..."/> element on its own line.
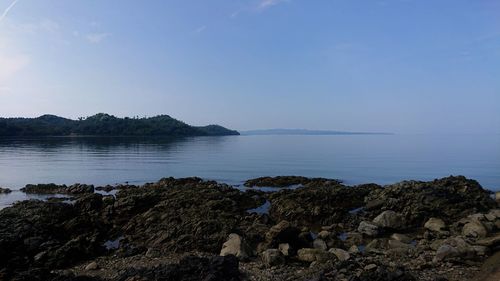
<point x="497" y="196"/>
<point x="454" y="247"/>
<point x="354" y="249"/>
<point x="352" y="238"/>
<point x="342" y="255"/>
<point x="370" y="267"/>
<point x="317" y="204"/>
<point x="324" y="234"/>
<point x="495" y="212"/>
<point x="320" y="244"/>
<point x="286" y="181"/>
<point x="92" y="266"/>
<point x="5" y="190"/>
<point x="445" y="252"/>
<point x="389" y="219"/>
<point x="396" y="244"/>
<point x="235" y="245"/>
<point x="368" y="228"/>
<point x="450" y="199"/>
<point x="474" y="229"/>
<point x="152" y="253"/>
<point x="480" y="250"/>
<point x="377" y="246"/>
<point x="51" y="188"/>
<point x="311" y="255"/>
<point x="283" y="232"/>
<point x="285" y="249"/>
<point x="435" y="225"/>
<point x="401" y="237"/>
<point x="272" y="257"/>
<point x="489" y="241"/>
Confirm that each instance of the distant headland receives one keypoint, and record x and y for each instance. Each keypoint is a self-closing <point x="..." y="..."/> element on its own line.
<point x="307" y="132"/>
<point x="103" y="124"/>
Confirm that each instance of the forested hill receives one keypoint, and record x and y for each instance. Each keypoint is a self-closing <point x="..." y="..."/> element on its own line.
<point x="105" y="125"/>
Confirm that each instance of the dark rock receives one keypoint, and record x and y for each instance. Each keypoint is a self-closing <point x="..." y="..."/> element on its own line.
<point x="52" y="188"/>
<point x="181" y="215"/>
<point x="313" y="205"/>
<point x="286" y="181"/>
<point x="36" y="234"/>
<point x="449" y="198"/>
<point x="5" y="190"/>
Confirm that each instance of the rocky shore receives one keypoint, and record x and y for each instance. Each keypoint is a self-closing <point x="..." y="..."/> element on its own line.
<point x="191" y="229"/>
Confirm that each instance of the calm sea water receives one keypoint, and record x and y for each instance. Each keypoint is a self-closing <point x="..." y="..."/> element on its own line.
<point x="354" y="159"/>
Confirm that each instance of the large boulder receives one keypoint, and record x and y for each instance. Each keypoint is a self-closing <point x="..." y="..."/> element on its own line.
<point x="474" y="229"/>
<point x="454" y="247"/>
<point x="389" y="219"/>
<point x="435" y="225"/>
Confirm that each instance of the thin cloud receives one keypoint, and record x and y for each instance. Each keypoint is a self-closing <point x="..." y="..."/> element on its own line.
<point x="264" y="4"/>
<point x="96" y="38"/>
<point x="201" y="29"/>
<point x="6" y="12"/>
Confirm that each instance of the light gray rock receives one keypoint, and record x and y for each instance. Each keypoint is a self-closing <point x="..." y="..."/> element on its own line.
<point x="354" y="249"/>
<point x="285" y="249"/>
<point x="311" y="255"/>
<point x="368" y="228"/>
<point x="401" y="237"/>
<point x="92" y="266"/>
<point x="342" y="255"/>
<point x="371" y="267"/>
<point x="435" y="225"/>
<point x="235" y="245"/>
<point x="324" y="234"/>
<point x="389" y="219"/>
<point x="474" y="229"/>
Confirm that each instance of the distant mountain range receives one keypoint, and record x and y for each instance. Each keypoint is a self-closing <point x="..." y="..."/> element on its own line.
<point x="306" y="132"/>
<point x="105" y="125"/>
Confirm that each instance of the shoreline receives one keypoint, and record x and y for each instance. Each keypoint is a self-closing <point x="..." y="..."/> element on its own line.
<point x="194" y="229"/>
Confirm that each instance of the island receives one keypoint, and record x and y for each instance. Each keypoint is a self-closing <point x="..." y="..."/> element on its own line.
<point x="103" y="124"/>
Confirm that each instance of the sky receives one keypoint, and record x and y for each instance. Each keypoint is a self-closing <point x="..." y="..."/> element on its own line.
<point x="401" y="66"/>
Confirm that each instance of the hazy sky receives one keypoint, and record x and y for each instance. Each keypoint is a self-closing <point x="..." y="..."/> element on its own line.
<point x="405" y="66"/>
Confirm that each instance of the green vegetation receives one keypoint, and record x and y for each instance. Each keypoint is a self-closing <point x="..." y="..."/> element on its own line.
<point x="105" y="125"/>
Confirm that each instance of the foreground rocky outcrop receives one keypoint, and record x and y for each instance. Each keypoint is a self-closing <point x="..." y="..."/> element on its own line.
<point x="191" y="229"/>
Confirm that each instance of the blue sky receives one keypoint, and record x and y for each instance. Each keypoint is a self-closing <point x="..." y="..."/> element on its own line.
<point x="403" y="66"/>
